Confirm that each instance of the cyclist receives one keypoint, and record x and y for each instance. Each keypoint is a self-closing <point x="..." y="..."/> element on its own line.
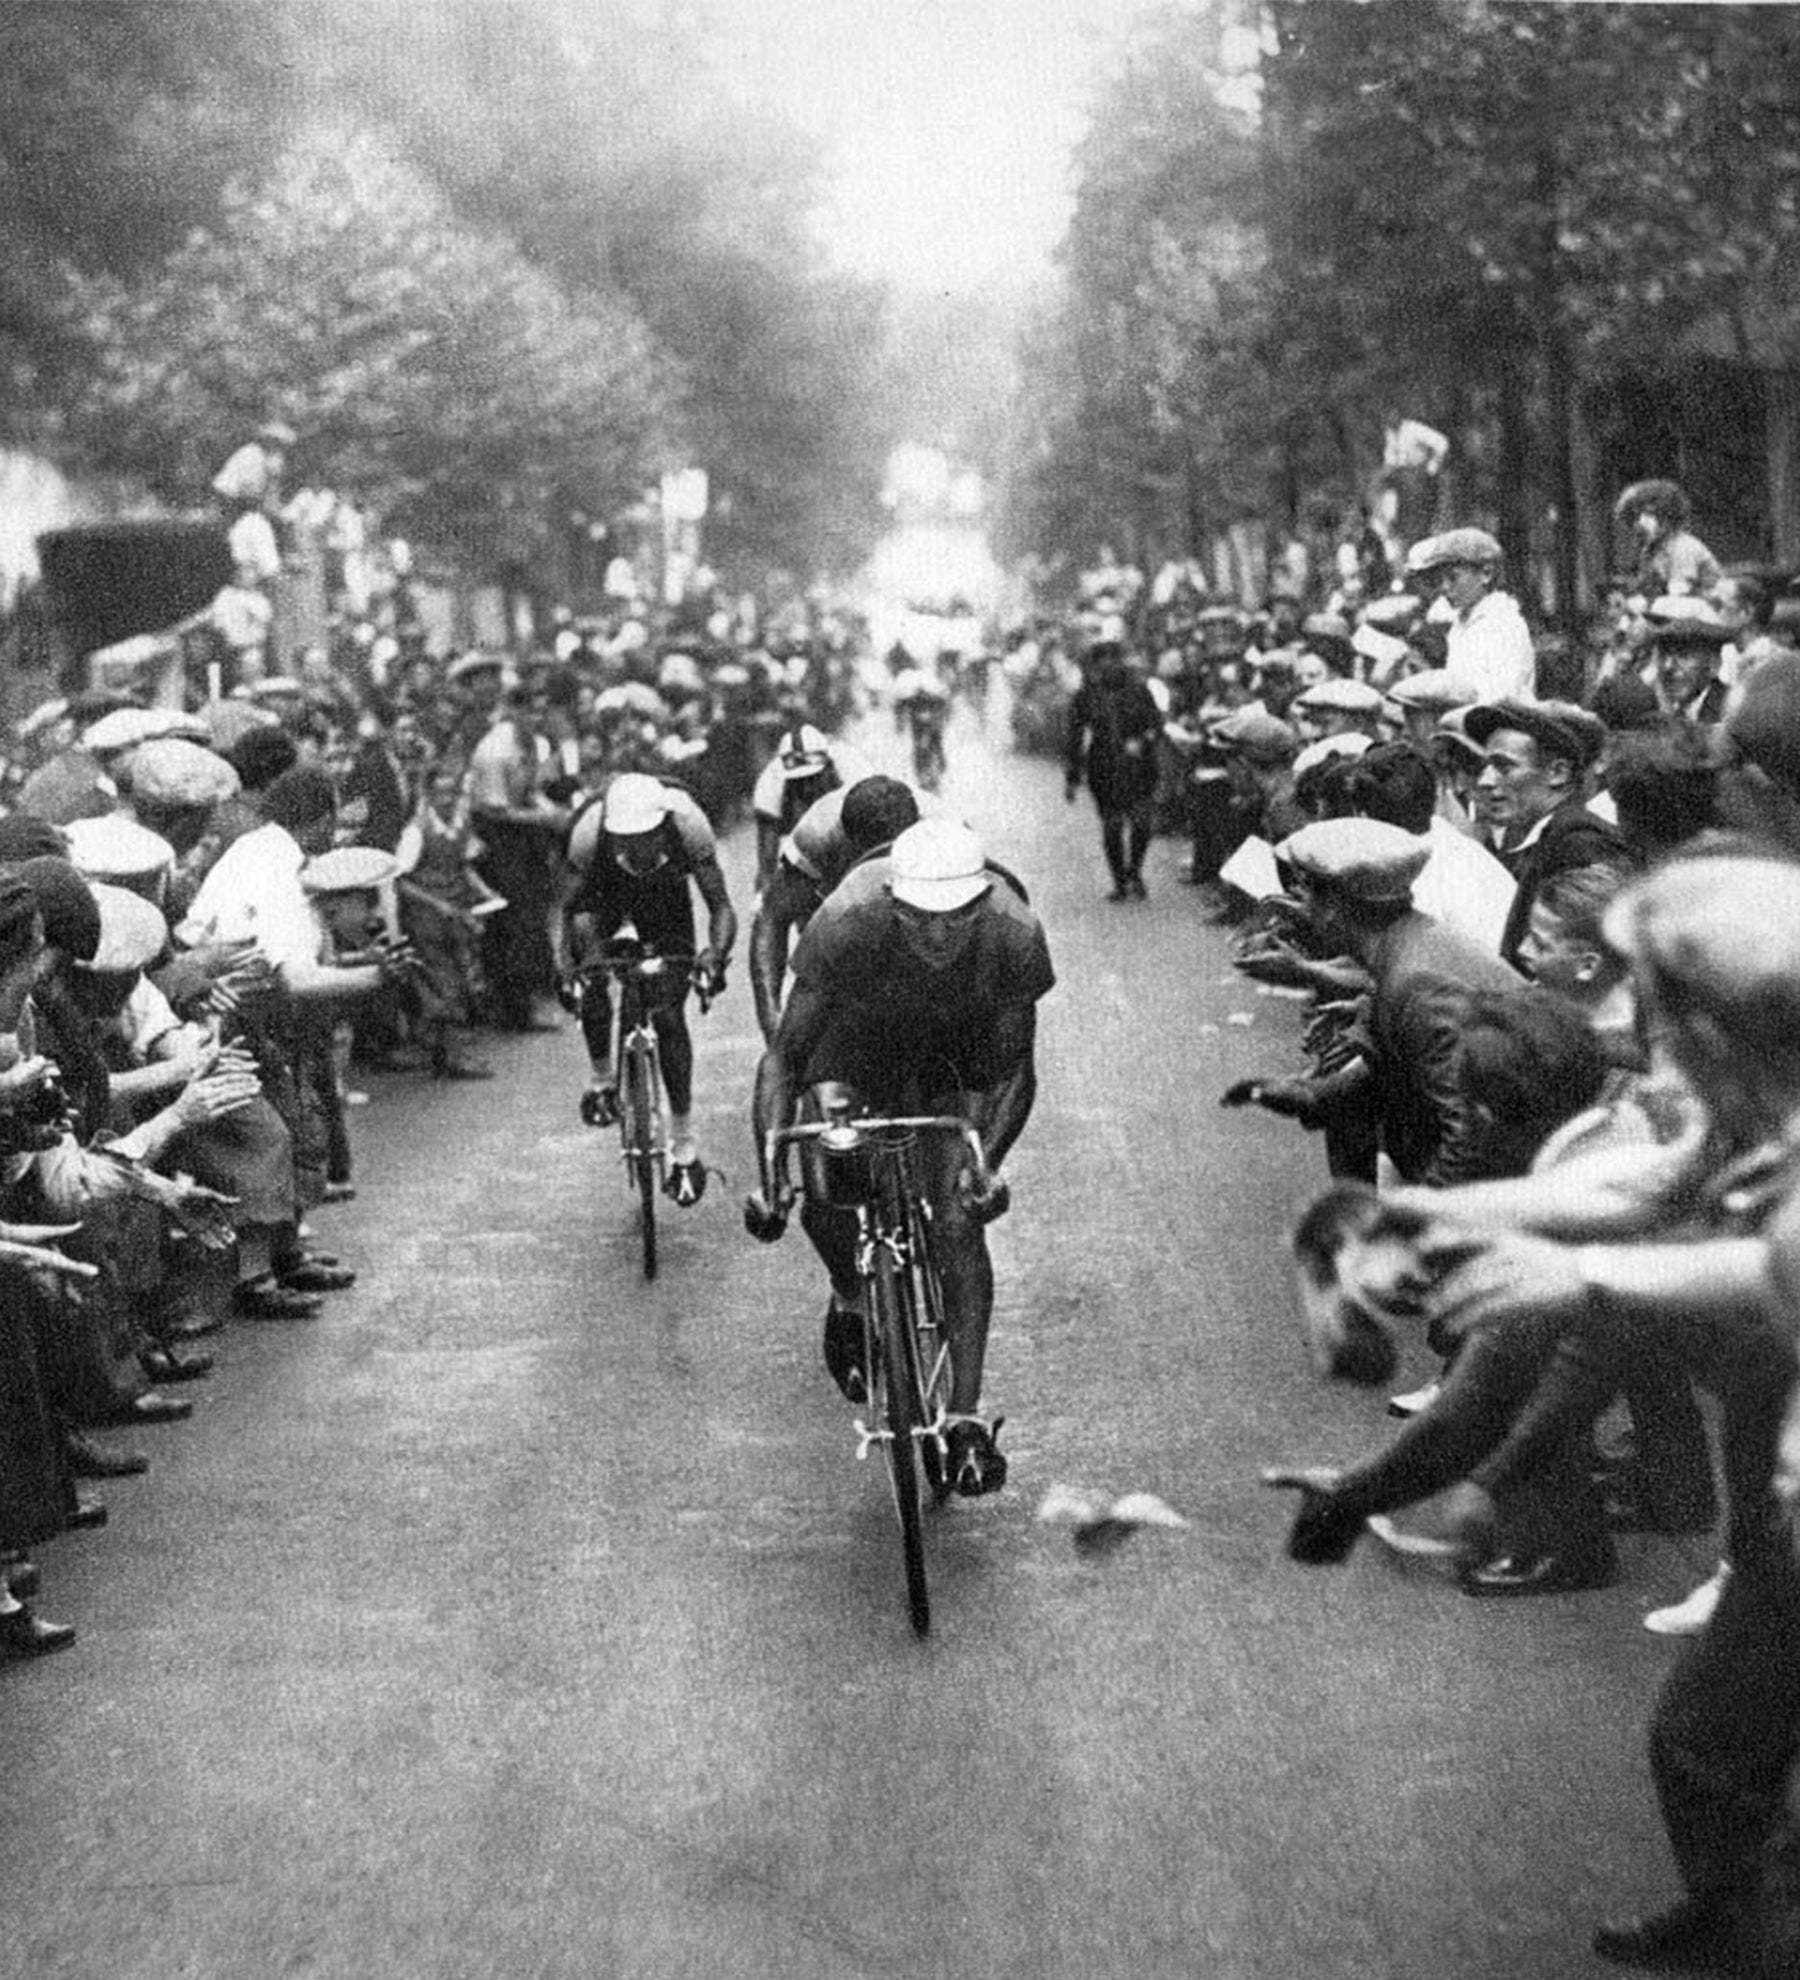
<point x="805" y="767"/>
<point x="916" y="987"/>
<point x="630" y="856"/>
<point x="922" y="701"/>
<point x="842" y="827"/>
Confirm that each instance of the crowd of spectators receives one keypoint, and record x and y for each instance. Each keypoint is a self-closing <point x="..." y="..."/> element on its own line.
<point x="1544" y="910"/>
<point x="214" y="911"/>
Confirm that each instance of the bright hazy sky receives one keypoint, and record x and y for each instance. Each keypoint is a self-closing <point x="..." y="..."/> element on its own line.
<point x="949" y="122"/>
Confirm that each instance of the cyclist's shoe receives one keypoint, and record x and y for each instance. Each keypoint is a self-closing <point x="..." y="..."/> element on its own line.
<point x="686" y="1182"/>
<point x="600" y="1106"/>
<point x="844" y="1352"/>
<point x="972" y="1449"/>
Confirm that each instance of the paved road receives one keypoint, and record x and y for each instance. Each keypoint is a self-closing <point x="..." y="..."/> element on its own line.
<point x="517" y="1619"/>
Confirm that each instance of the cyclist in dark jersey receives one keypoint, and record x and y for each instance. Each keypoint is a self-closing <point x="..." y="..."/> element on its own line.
<point x="916" y="987"/>
<point x="630" y="857"/>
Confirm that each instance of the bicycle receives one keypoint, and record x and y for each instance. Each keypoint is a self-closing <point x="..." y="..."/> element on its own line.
<point x="646" y="984"/>
<point x="866" y="1165"/>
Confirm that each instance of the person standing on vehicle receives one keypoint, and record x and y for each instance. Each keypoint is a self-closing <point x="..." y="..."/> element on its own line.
<point x="916" y="987"/>
<point x="630" y="857"/>
<point x="1114" y="726"/>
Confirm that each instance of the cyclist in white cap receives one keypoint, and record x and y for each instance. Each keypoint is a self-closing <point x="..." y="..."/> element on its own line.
<point x="630" y="856"/>
<point x="916" y="987"/>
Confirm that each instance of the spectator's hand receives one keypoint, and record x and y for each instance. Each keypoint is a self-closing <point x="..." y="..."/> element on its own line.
<point x="395" y="959"/>
<point x="1322" y="1534"/>
<point x="1294" y="1099"/>
<point x="21" y="1082"/>
<point x="213" y="1095"/>
<point x="1505" y="1278"/>
<point x="763" y="1219"/>
<point x="983" y="1195"/>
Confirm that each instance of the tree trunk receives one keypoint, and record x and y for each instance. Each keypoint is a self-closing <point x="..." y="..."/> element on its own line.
<point x="1512" y="498"/>
<point x="1781" y="398"/>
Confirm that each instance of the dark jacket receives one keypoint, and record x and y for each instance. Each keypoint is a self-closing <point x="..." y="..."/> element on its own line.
<point x="1114" y="728"/>
<point x="1573" y="837"/>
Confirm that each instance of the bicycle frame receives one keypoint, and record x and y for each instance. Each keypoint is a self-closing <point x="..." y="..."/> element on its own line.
<point x="866" y="1168"/>
<point x="642" y="979"/>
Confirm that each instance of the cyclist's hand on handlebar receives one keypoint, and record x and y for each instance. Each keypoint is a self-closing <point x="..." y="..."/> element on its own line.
<point x="764" y="1219"/>
<point x="983" y="1195"/>
<point x="568" y="992"/>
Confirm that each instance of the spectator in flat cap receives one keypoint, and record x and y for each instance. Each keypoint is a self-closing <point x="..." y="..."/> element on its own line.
<point x="1337" y="707"/>
<point x="1259" y="756"/>
<point x="1354" y="877"/>
<point x="1488" y="649"/>
<point x="117" y="850"/>
<point x="1533" y="795"/>
<point x="1687" y="654"/>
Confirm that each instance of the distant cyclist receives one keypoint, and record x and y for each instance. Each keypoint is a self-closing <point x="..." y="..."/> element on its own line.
<point x="631" y="856"/>
<point x="843" y="827"/>
<point x="922" y="701"/>
<point x="915" y="988"/>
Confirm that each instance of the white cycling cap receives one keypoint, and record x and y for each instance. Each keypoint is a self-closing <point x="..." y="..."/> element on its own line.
<point x="635" y="803"/>
<point x="937" y="865"/>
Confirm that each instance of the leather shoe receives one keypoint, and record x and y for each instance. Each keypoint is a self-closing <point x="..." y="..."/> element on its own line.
<point x="263" y="1299"/>
<point x="90" y="1460"/>
<point x="23" y="1634"/>
<point x="1541" y="1574"/>
<point x="313" y="1275"/>
<point x="1695" y="1935"/>
<point x="85" y="1513"/>
<point x="163" y="1364"/>
<point x="153" y="1408"/>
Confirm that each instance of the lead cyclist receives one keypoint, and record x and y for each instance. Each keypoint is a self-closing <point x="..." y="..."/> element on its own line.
<point x="916" y="987"/>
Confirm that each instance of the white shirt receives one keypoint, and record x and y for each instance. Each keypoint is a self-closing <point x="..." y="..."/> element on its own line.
<point x="1488" y="650"/>
<point x="254" y="894"/>
<point x="1465" y="887"/>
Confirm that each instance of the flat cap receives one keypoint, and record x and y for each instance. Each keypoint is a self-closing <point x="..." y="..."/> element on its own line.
<point x="132" y="932"/>
<point x="1558" y="727"/>
<point x="1765" y="725"/>
<point x="1344" y="697"/>
<point x="125" y="728"/>
<point x="69" y="785"/>
<point x="174" y="772"/>
<point x="475" y="663"/>
<point x="1326" y="748"/>
<point x="228" y="722"/>
<point x="1454" y="546"/>
<point x="1326" y="626"/>
<point x="1690" y="629"/>
<point x="1255" y="735"/>
<point x="274" y="687"/>
<point x="117" y="848"/>
<point x="1360" y="857"/>
<point x="1437" y="689"/>
<point x="348" y="870"/>
<point x="1383" y="649"/>
<point x="1727" y="931"/>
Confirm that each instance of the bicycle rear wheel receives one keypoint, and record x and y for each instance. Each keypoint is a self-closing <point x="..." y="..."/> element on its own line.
<point x="896" y="1396"/>
<point x="640" y="1145"/>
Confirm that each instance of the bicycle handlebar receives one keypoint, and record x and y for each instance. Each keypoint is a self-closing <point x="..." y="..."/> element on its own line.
<point x="648" y="965"/>
<point x="782" y="1139"/>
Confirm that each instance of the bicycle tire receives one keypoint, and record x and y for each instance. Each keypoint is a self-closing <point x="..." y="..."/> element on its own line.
<point x="896" y="1394"/>
<point x="934" y="1368"/>
<point x="640" y="1115"/>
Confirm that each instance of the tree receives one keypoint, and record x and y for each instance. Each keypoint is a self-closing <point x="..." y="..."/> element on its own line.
<point x="435" y="372"/>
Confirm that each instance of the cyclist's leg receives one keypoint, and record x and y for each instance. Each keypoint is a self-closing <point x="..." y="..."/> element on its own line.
<point x="676" y="1045"/>
<point x="966" y="1280"/>
<point x="832" y="1233"/>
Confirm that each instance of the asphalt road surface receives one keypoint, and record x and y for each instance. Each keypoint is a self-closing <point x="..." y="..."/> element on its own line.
<point x="519" y="1619"/>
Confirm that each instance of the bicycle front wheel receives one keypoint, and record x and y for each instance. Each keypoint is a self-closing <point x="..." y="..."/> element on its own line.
<point x="896" y="1396"/>
<point x="640" y="1153"/>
